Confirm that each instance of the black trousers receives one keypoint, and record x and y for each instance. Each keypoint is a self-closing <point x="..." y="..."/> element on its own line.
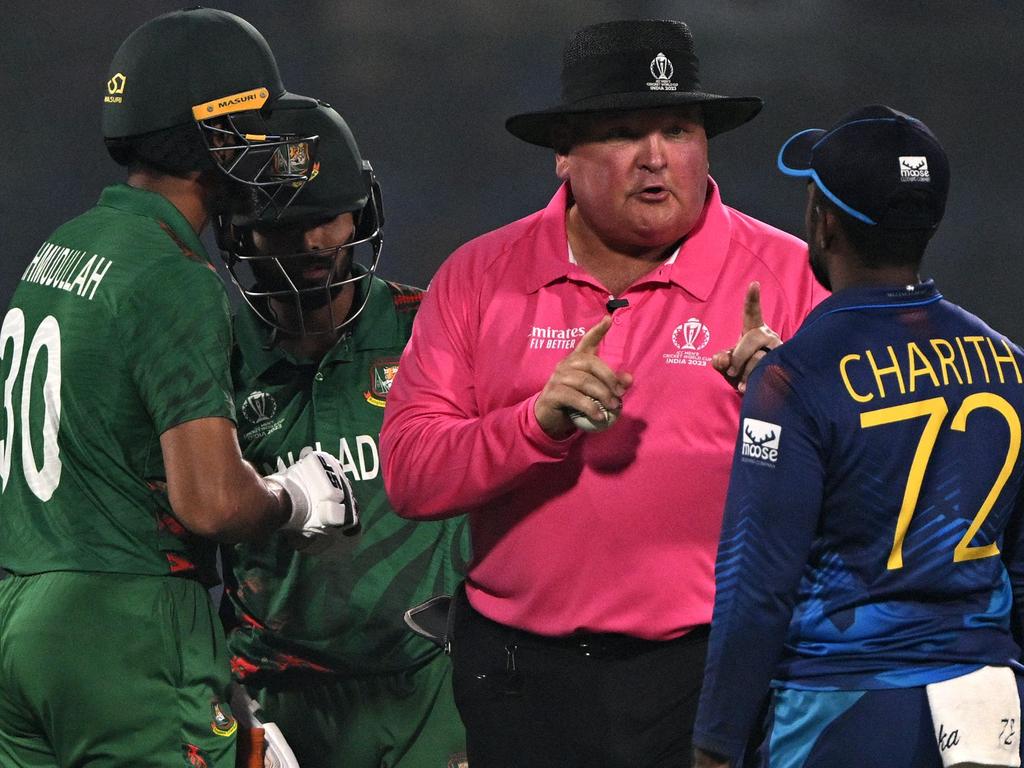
<point x="590" y="701"/>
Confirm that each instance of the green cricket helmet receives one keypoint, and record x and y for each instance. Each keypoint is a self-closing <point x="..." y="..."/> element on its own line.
<point x="340" y="182"/>
<point x="190" y="90"/>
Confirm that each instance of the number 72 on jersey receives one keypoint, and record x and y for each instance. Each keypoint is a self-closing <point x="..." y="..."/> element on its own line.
<point x="936" y="410"/>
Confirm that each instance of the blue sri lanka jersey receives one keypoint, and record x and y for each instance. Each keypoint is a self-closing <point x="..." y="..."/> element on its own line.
<point x="870" y="537"/>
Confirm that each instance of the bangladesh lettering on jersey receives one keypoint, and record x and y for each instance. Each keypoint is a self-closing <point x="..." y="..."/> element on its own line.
<point x="359" y="459"/>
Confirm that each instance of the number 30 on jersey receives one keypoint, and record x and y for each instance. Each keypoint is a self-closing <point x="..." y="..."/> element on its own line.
<point x="43" y="478"/>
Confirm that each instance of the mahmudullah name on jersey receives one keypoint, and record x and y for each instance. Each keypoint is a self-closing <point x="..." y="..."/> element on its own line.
<point x="67" y="269"/>
<point x="940" y="362"/>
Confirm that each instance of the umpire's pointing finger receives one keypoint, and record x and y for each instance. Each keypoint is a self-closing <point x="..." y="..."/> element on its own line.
<point x="592" y="338"/>
<point x="752" y="308"/>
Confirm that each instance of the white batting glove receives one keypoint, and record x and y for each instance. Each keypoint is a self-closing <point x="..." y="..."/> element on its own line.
<point x="322" y="500"/>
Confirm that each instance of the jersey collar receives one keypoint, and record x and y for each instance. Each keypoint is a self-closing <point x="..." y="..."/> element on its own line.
<point x="376" y="328"/>
<point x="142" y="202"/>
<point x="875" y="297"/>
<point x="545" y="248"/>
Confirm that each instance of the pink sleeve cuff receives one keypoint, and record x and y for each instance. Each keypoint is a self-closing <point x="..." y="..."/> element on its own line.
<point x="540" y="439"/>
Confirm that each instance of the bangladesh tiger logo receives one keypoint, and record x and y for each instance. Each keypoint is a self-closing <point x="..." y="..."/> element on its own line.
<point x="222" y="723"/>
<point x="382" y="376"/>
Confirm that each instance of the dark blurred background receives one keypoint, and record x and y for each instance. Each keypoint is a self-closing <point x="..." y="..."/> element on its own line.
<point x="426" y="87"/>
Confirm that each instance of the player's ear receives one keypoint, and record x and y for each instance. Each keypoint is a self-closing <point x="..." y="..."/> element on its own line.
<point x="822" y="222"/>
<point x="829" y="228"/>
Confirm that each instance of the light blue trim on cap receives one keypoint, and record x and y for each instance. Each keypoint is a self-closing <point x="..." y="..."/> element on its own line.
<point x="794" y="171"/>
<point x="831" y="196"/>
<point x="813" y="174"/>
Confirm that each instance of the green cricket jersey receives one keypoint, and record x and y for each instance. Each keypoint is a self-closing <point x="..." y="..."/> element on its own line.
<point x="118" y="330"/>
<point x="339" y="612"/>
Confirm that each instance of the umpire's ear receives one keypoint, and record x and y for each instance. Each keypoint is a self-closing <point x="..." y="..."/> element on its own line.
<point x="562" y="166"/>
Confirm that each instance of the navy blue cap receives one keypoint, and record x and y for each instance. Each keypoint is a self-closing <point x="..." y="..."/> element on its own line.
<point x="880" y="166"/>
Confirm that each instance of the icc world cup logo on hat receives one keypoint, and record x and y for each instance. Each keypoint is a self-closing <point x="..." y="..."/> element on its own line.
<point x="603" y="70"/>
<point x="661" y="67"/>
<point x="662" y="71"/>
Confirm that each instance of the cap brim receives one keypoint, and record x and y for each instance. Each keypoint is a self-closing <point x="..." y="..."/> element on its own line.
<point x="797" y="152"/>
<point x="795" y="160"/>
<point x="721" y="113"/>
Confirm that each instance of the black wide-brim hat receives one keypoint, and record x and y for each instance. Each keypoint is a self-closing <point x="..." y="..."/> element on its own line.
<point x="620" y="66"/>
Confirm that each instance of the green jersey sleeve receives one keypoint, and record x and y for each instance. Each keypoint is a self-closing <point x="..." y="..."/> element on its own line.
<point x="178" y="344"/>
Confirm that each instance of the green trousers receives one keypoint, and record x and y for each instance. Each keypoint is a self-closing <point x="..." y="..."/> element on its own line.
<point x="112" y="671"/>
<point x="404" y="720"/>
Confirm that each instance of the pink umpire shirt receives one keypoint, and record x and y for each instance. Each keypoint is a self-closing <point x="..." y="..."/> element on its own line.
<point x="603" y="532"/>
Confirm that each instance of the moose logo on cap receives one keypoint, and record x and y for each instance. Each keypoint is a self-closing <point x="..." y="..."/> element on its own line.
<point x="914" y="168"/>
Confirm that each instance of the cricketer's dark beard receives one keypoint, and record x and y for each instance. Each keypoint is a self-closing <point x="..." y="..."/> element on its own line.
<point x="815" y="257"/>
<point x="817" y="262"/>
